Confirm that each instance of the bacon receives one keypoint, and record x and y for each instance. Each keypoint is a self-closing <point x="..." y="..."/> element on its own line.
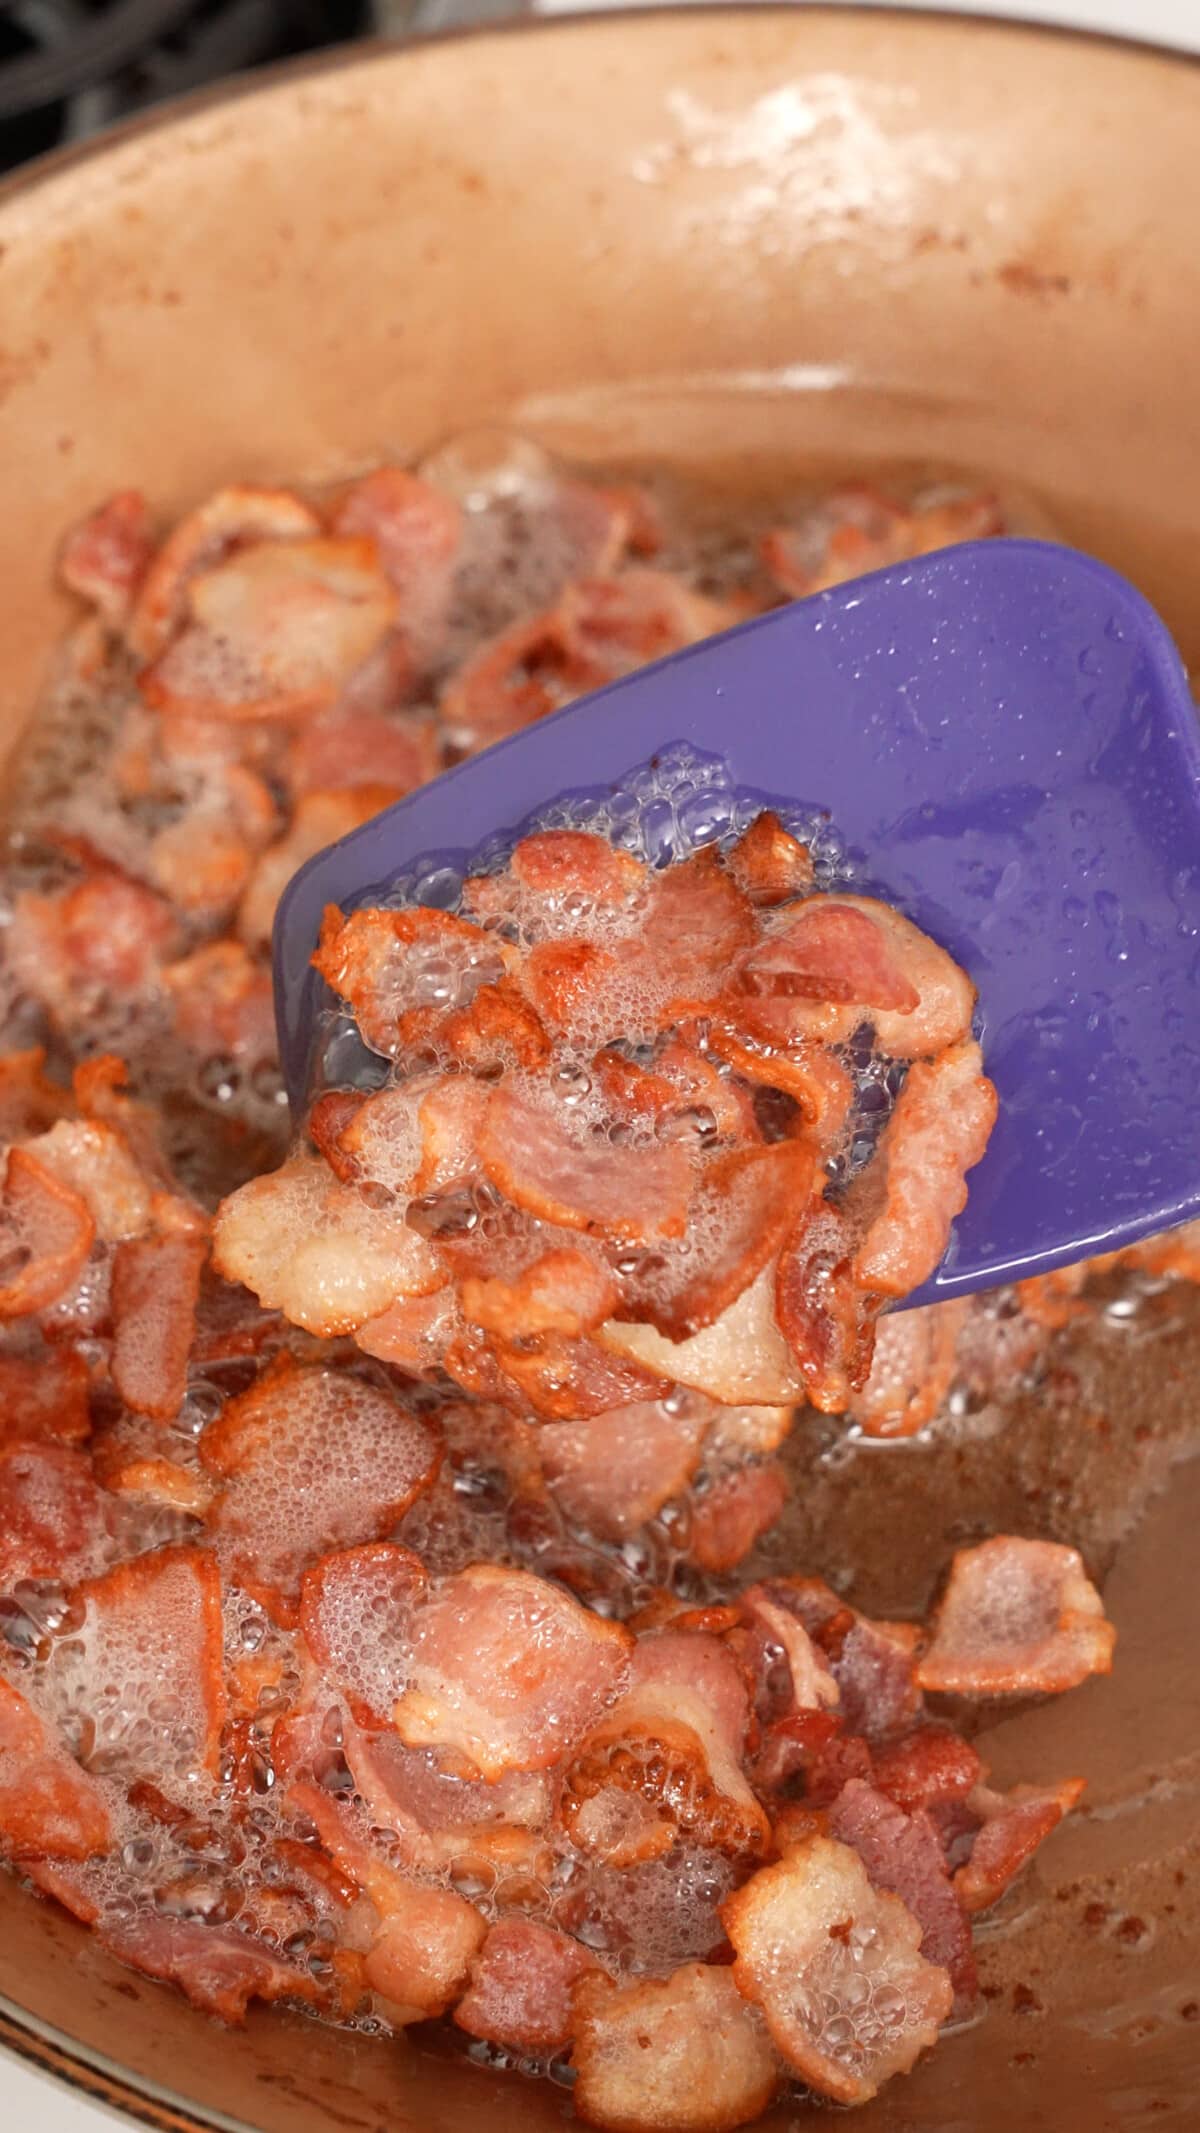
<point x="104" y="558"/>
<point x="834" y="1966"/>
<point x="611" y="1473"/>
<point x="820" y="1311"/>
<point x="222" y="1002"/>
<point x="157" y="1481"/>
<point x="698" y="923"/>
<point x="560" y="1378"/>
<point x="829" y="951"/>
<point x="231" y="515"/>
<point x="315" y="1250"/>
<point x="320" y="818"/>
<point x="506" y="1672"/>
<point x="859" y="529"/>
<point x="519" y="1996"/>
<point x="420" y="1955"/>
<point x="52" y="1515"/>
<point x="95" y="1160"/>
<point x="620" y="622"/>
<point x="417" y="530"/>
<point x="562" y="1292"/>
<point x="274" y="632"/>
<point x="356" y="1611"/>
<point x="219" y="1969"/>
<point x="914" y="1365"/>
<point x="151" y="1650"/>
<point x="903" y="1853"/>
<point x="872" y="1662"/>
<point x="769" y="865"/>
<point x="355" y="745"/>
<point x="741" y="1358"/>
<point x="1013" y="1825"/>
<point x="741" y="1209"/>
<point x="842" y="960"/>
<point x="684" y="2053"/>
<point x="44" y="1400"/>
<point x="811" y="1076"/>
<point x="155" y="1290"/>
<point x="498" y="1028"/>
<point x="732" y="1514"/>
<point x="556" y="879"/>
<point x="787" y="1666"/>
<point x="47" y="1232"/>
<point x="1018" y="1618"/>
<point x="638" y="1193"/>
<point x="49" y="1807"/>
<point x="684" y="1095"/>
<point x="72" y="948"/>
<point x="928" y="1768"/>
<point x="413" y="1332"/>
<point x="938" y="1131"/>
<point x="202" y="861"/>
<point x="29" y="1103"/>
<point x="382" y="963"/>
<point x="673" y="1745"/>
<point x="444" y="1823"/>
<point x="313" y="1460"/>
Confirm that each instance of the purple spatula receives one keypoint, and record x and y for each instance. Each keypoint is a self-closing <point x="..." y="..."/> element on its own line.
<point x="1003" y="741"/>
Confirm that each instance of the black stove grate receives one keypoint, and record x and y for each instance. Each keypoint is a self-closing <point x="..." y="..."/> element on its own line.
<point x="70" y="67"/>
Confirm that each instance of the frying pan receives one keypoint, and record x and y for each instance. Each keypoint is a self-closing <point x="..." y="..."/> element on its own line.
<point x="737" y="243"/>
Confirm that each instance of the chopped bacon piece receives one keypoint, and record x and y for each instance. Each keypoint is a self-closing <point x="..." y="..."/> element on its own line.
<point x="506" y="1672"/>
<point x="1018" y="1617"/>
<point x="142" y="1680"/>
<point x="927" y="1768"/>
<point x="94" y="1160"/>
<point x="219" y="1969"/>
<point x="44" y="1400"/>
<point x="320" y="818"/>
<point x="350" y="747"/>
<point x="46" y="1232"/>
<point x="413" y="1332"/>
<point x="223" y="1002"/>
<point x="562" y="1291"/>
<point x="49" y="1807"/>
<point x="741" y="1358"/>
<point x="313" y="1460"/>
<point x="834" y="1966"/>
<point x="497" y="1028"/>
<point x="814" y="1079"/>
<point x="420" y="1954"/>
<point x="105" y="935"/>
<point x="938" y="1131"/>
<point x="742" y="1207"/>
<point x="698" y="923"/>
<point x="28" y="1102"/>
<point x="315" y="1250"/>
<point x="638" y="1193"/>
<point x="913" y="1367"/>
<point x="417" y="530"/>
<point x="788" y="1667"/>
<point x="157" y="1481"/>
<point x="769" y="865"/>
<point x="356" y="1612"/>
<point x="684" y="1095"/>
<point x="442" y="1821"/>
<point x="611" y="1473"/>
<point x="155" y="1290"/>
<point x="520" y="1991"/>
<point x="730" y="1515"/>
<point x="683" y="2054"/>
<point x="859" y="529"/>
<point x="231" y="515"/>
<point x="902" y="1852"/>
<point x="275" y="632"/>
<point x="841" y="960"/>
<point x="561" y="869"/>
<point x="383" y="963"/>
<point x="872" y="1662"/>
<point x="104" y="558"/>
<point x="820" y="1311"/>
<point x="1014" y="1824"/>
<point x="670" y="1751"/>
<point x="831" y="951"/>
<point x="621" y="621"/>
<point x="561" y="1379"/>
<point x="52" y="1515"/>
<point x="203" y="860"/>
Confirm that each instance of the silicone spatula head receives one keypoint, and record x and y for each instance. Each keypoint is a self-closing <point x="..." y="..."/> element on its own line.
<point x="1003" y="741"/>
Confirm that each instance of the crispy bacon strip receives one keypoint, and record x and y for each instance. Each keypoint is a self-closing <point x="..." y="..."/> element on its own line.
<point x="1018" y="1617"/>
<point x="938" y="1131"/>
<point x="683" y="2054"/>
<point x="834" y="1966"/>
<point x="315" y="1250"/>
<point x="155" y="1290"/>
<point x="49" y="1807"/>
<point x="506" y="1672"/>
<point x="913" y="1368"/>
<point x="219" y="1969"/>
<point x="312" y="1460"/>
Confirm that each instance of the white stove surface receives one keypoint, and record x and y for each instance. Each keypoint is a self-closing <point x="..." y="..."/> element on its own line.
<point x="30" y="2101"/>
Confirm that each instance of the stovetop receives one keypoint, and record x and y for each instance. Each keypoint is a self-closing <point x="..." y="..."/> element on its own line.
<point x="70" y="67"/>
